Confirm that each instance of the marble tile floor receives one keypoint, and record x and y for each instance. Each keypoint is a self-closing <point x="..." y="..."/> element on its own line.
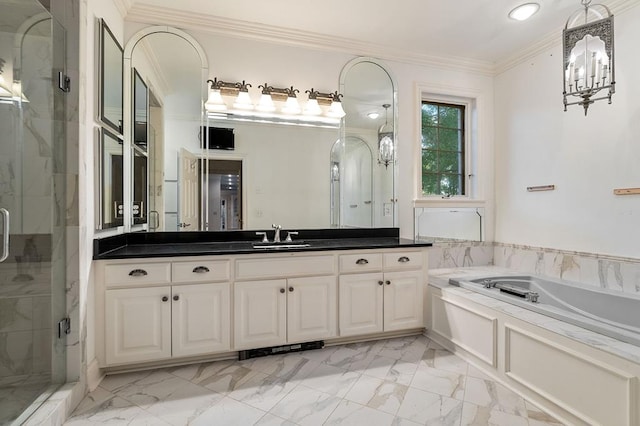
<point x="402" y="381"/>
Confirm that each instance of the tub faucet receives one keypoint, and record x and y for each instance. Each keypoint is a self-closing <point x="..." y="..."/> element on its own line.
<point x="276" y="236"/>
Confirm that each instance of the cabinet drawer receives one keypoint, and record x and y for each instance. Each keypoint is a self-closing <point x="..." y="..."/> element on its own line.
<point x="284" y="267"/>
<point x="200" y="271"/>
<point x="137" y="274"/>
<point x="402" y="260"/>
<point x="361" y="262"/>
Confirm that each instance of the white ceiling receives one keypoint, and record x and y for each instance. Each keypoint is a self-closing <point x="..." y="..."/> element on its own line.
<point x="472" y="32"/>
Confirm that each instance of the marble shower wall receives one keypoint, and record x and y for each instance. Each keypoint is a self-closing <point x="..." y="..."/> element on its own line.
<point x="589" y="269"/>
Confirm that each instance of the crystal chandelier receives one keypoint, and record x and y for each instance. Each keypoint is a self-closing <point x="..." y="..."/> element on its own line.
<point x="385" y="140"/>
<point x="587" y="41"/>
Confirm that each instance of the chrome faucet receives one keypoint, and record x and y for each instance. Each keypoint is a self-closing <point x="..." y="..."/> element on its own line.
<point x="276" y="236"/>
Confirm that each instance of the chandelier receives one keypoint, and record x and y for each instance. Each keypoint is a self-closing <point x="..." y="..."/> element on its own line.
<point x="385" y="140"/>
<point x="587" y="42"/>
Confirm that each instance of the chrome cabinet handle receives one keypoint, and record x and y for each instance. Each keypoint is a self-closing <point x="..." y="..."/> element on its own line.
<point x="362" y="262"/>
<point x="138" y="273"/>
<point x="200" y="270"/>
<point x="403" y="259"/>
<point x="5" y="234"/>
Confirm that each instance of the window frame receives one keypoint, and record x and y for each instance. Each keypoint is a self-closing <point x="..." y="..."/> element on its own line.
<point x="468" y="104"/>
<point x="464" y="151"/>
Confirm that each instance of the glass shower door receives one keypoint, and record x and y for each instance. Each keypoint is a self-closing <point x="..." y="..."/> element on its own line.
<point x="32" y="170"/>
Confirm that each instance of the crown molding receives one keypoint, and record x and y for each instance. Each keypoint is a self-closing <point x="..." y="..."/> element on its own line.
<point x="554" y="39"/>
<point x="266" y="33"/>
<point x="123" y="6"/>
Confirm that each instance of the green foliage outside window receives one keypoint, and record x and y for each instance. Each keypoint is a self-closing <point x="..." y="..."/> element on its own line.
<point x="443" y="149"/>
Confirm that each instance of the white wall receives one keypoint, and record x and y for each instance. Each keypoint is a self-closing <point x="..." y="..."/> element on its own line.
<point x="585" y="157"/>
<point x="93" y="9"/>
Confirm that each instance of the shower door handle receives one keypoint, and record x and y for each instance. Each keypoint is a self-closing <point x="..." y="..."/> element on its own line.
<point x="5" y="234"/>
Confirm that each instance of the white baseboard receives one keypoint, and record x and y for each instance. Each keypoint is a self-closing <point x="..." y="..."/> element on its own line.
<point x="94" y="375"/>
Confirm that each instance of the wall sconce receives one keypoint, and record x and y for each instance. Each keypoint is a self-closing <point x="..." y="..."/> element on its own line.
<point x="588" y="49"/>
<point x="385" y="140"/>
<point x="321" y="109"/>
<point x="335" y="171"/>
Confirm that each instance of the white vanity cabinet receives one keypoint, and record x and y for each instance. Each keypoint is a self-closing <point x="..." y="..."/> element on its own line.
<point x="144" y="321"/>
<point x="137" y="324"/>
<point x="160" y="310"/>
<point x="294" y="309"/>
<point x="389" y="300"/>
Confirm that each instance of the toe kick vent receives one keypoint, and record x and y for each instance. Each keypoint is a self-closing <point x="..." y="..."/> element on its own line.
<point x="275" y="350"/>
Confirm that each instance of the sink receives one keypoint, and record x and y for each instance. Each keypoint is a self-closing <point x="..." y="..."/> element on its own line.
<point x="273" y="246"/>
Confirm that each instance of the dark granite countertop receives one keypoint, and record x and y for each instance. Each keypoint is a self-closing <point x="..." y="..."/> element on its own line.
<point x="169" y="244"/>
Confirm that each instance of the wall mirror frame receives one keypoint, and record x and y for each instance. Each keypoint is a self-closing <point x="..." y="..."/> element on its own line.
<point x="110" y="188"/>
<point x="314" y="199"/>
<point x="133" y="223"/>
<point x="111" y="80"/>
<point x="370" y="101"/>
<point x="140" y="120"/>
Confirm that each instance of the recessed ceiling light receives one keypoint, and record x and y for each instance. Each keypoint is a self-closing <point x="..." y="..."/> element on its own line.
<point x="524" y="11"/>
<point x="373" y="115"/>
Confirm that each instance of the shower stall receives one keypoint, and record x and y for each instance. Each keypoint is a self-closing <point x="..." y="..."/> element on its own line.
<point x="32" y="208"/>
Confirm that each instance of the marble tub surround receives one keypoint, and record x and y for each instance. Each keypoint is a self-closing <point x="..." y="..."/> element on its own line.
<point x="165" y="244"/>
<point x="440" y="279"/>
<point x="460" y="254"/>
<point x="401" y="381"/>
<point x="608" y="272"/>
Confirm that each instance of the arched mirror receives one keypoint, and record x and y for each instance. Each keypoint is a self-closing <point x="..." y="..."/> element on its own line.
<point x="364" y="194"/>
<point x="352" y="165"/>
<point x="165" y="73"/>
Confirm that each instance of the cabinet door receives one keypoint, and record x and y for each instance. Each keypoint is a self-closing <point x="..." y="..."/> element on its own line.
<point x="311" y="308"/>
<point x="360" y="304"/>
<point x="260" y="314"/>
<point x="138" y="325"/>
<point x="403" y="300"/>
<point x="200" y="319"/>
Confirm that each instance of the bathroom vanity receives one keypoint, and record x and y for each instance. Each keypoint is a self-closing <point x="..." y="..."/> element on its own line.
<point x="166" y="298"/>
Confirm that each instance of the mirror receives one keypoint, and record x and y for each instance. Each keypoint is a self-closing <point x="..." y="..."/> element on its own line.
<point x="364" y="196"/>
<point x="111" y="80"/>
<point x="110" y="169"/>
<point x="140" y="112"/>
<point x="280" y="172"/>
<point x="140" y="119"/>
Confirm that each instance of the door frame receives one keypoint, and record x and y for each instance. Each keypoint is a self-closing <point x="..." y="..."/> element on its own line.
<point x="223" y="156"/>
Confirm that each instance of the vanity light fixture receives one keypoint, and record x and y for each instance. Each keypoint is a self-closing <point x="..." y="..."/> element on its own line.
<point x="587" y="53"/>
<point x="276" y="105"/>
<point x="385" y="140"/>
<point x="524" y="11"/>
<point x="312" y="107"/>
<point x="243" y="101"/>
<point x="291" y="105"/>
<point x="373" y="115"/>
<point x="266" y="102"/>
<point x="335" y="109"/>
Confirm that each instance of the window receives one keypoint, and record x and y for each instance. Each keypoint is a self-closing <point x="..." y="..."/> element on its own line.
<point x="443" y="149"/>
